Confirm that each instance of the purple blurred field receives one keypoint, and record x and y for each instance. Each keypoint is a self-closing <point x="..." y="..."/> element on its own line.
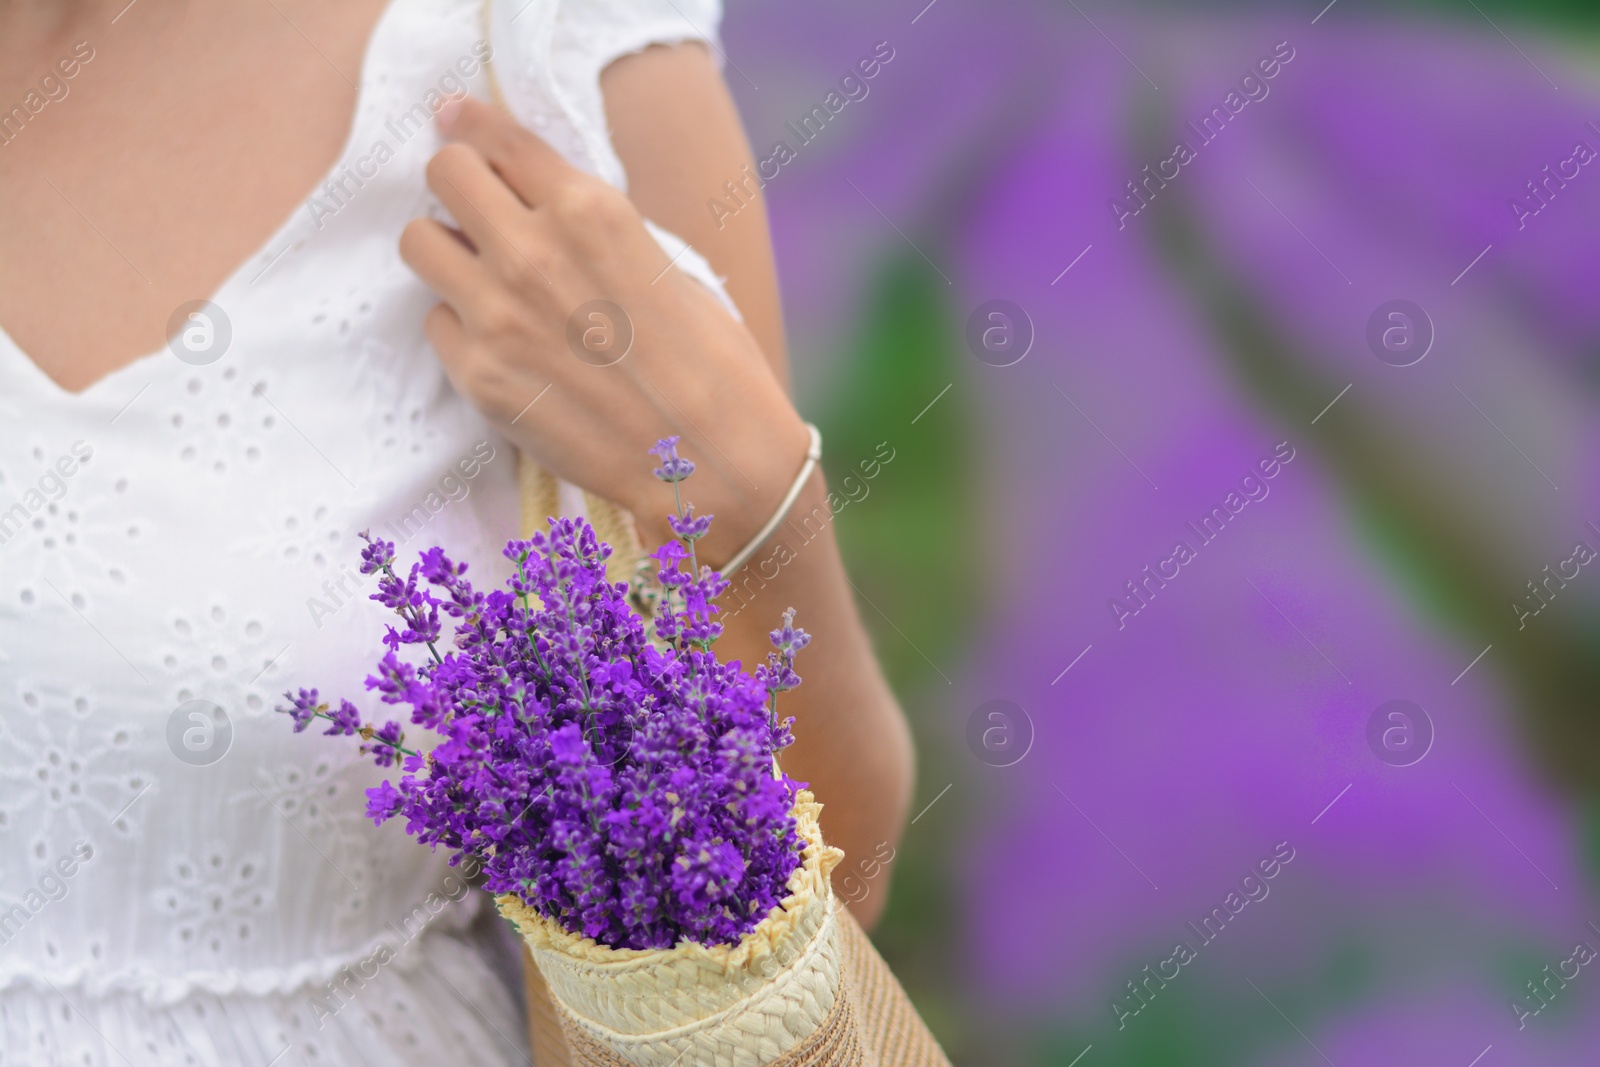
<point x="1173" y="350"/>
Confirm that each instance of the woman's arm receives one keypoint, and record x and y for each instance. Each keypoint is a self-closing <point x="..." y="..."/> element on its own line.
<point x="679" y="137"/>
<point x="539" y="239"/>
<point x="675" y="129"/>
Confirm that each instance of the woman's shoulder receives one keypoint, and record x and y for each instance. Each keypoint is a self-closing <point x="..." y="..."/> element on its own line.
<point x="547" y="56"/>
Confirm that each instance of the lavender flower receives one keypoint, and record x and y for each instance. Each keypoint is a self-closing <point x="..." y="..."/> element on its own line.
<point x="674" y="468"/>
<point x="689" y="526"/>
<point x="347" y="720"/>
<point x="304" y="708"/>
<point x="777" y="674"/>
<point x="620" y="782"/>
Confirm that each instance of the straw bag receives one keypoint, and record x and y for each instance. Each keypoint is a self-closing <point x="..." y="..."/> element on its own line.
<point x="805" y="988"/>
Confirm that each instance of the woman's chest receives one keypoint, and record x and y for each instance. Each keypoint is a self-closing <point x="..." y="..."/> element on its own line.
<point x="183" y="148"/>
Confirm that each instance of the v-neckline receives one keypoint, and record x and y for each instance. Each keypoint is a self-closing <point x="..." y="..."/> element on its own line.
<point x="278" y="242"/>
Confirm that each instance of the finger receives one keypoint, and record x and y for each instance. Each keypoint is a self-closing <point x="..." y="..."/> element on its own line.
<point x="452" y="343"/>
<point x="443" y="328"/>
<point x="483" y="206"/>
<point x="462" y="239"/>
<point x="480" y="378"/>
<point x="526" y="162"/>
<point x="440" y="259"/>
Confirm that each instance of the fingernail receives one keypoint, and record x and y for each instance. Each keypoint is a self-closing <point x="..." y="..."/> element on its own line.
<point x="446" y="118"/>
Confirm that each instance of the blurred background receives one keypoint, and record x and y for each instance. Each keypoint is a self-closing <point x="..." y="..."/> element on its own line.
<point x="1342" y="748"/>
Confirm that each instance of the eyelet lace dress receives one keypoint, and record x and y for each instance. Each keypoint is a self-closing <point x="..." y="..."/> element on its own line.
<point x="183" y="880"/>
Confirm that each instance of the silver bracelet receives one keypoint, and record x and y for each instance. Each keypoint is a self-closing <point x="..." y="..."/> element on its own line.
<point x="813" y="457"/>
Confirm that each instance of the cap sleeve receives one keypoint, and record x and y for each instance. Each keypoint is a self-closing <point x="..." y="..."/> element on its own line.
<point x="591" y="34"/>
<point x="548" y="56"/>
<point x="547" y="60"/>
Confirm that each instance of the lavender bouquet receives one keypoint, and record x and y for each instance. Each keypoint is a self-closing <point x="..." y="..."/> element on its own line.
<point x="618" y="787"/>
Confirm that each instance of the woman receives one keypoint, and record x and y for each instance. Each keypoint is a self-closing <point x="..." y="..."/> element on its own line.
<point x="180" y="879"/>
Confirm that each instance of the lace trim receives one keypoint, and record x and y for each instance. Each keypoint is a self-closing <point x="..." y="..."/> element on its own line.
<point x="161" y="988"/>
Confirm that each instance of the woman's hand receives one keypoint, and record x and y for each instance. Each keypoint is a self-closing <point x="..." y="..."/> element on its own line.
<point x="587" y="388"/>
<point x="538" y="240"/>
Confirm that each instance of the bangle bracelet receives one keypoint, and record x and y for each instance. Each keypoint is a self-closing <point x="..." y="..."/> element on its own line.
<point x="813" y="457"/>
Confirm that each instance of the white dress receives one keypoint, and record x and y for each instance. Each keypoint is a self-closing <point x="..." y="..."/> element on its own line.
<point x="177" y="887"/>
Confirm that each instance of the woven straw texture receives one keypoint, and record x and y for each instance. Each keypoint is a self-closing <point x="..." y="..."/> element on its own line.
<point x="872" y="1025"/>
<point x="835" y="1043"/>
<point x="726" y="1006"/>
<point x="890" y="1031"/>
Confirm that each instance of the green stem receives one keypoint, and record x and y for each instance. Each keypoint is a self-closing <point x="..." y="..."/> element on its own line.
<point x="392" y="744"/>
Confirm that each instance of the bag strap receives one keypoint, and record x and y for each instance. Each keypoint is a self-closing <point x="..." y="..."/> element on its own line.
<point x="540" y="489"/>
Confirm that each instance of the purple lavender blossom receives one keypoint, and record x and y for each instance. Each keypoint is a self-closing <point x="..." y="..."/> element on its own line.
<point x="619" y="781"/>
<point x="690" y="527"/>
<point x="777" y="674"/>
<point x="347" y="720"/>
<point x="674" y="468"/>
